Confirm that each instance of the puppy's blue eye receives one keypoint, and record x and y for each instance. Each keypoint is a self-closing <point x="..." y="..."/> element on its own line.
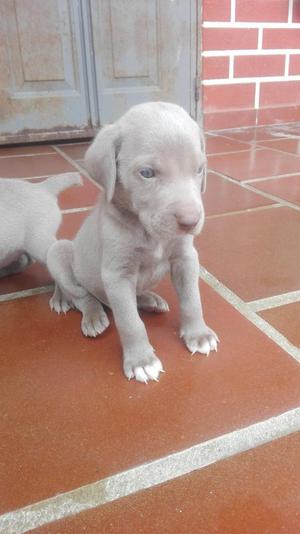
<point x="200" y="170"/>
<point x="147" y="172"/>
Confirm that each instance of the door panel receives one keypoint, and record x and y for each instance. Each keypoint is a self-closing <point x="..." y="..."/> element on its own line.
<point x="143" y="51"/>
<point x="42" y="84"/>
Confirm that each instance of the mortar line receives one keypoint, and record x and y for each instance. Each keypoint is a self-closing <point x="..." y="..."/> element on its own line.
<point x="78" y="167"/>
<point x="149" y="475"/>
<point x="274" y="301"/>
<point x="248" y="186"/>
<point x="248" y="313"/>
<point x="26" y="293"/>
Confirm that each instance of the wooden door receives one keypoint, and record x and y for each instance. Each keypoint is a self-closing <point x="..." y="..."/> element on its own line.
<point x="43" y="87"/>
<point x="144" y="50"/>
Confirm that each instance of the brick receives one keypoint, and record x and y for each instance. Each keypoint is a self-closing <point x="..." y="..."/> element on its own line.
<point x="294" y="68"/>
<point x="280" y="94"/>
<point x="281" y="38"/>
<point x="215" y="67"/>
<point x="245" y="66"/>
<point x="227" y="97"/>
<point x="296" y="11"/>
<point x="216" y="10"/>
<point x="261" y="10"/>
<point x="229" y="38"/>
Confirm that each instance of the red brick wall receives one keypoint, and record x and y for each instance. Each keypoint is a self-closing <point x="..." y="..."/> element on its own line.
<point x="250" y="62"/>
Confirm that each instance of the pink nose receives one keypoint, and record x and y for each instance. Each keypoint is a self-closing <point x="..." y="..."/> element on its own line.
<point x="187" y="219"/>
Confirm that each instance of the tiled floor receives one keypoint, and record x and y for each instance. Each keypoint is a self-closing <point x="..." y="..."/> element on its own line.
<point x="74" y="432"/>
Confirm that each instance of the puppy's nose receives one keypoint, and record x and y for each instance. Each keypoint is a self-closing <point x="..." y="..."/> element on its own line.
<point x="187" y="220"/>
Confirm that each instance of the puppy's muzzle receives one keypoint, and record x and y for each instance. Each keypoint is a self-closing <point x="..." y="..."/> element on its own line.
<point x="187" y="219"/>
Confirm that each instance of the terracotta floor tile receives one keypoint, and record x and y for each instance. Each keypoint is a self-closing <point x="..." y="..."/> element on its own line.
<point x="26" y="149"/>
<point x="286" y="319"/>
<point x="28" y="166"/>
<point x="77" y="197"/>
<point x="215" y="144"/>
<point x="70" y="416"/>
<point x="36" y="275"/>
<point x="254" y="492"/>
<point x="223" y="196"/>
<point x="287" y="145"/>
<point x="254" y="164"/>
<point x="255" y="254"/>
<point x="250" y="134"/>
<point x="287" y="188"/>
<point x="75" y="151"/>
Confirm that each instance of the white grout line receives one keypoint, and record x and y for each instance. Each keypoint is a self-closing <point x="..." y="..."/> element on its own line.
<point x="231" y="67"/>
<point x="250" y="52"/>
<point x="263" y="178"/>
<point x="241" y="212"/>
<point x="260" y="38"/>
<point x="247" y="185"/>
<point x="78" y="167"/>
<point x="275" y="301"/>
<point x="287" y="65"/>
<point x="76" y="210"/>
<point x="149" y="475"/>
<point x="26" y="293"/>
<point x="247" y="312"/>
<point x="290" y="12"/>
<point x="257" y="93"/>
<point x="26" y="155"/>
<point x="248" y="149"/>
<point x="247" y="25"/>
<point x="232" y="11"/>
<point x="249" y="79"/>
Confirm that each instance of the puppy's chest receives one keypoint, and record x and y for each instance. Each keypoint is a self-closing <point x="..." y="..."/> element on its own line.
<point x="153" y="264"/>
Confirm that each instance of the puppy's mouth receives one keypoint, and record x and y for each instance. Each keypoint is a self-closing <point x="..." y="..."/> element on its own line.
<point x="191" y="229"/>
<point x="187" y="228"/>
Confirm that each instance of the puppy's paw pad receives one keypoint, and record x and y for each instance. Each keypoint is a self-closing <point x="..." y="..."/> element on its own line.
<point x="144" y="373"/>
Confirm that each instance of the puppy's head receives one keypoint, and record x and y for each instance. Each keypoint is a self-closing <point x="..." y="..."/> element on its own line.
<point x="155" y="155"/>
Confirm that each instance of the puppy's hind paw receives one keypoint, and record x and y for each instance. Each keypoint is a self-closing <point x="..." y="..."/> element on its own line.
<point x="151" y="302"/>
<point x="94" y="326"/>
<point x="59" y="304"/>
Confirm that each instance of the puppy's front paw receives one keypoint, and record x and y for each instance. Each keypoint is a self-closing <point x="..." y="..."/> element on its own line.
<point x="203" y="341"/>
<point x="142" y="368"/>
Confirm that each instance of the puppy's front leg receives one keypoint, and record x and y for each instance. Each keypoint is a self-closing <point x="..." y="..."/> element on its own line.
<point x="198" y="337"/>
<point x="139" y="360"/>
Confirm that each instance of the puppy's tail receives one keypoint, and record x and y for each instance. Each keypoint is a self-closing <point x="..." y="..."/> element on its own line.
<point x="60" y="265"/>
<point x="60" y="182"/>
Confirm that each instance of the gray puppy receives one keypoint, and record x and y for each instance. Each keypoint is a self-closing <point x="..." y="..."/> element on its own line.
<point x="30" y="218"/>
<point x="151" y="165"/>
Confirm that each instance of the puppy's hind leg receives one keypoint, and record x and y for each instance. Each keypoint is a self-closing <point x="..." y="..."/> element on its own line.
<point x="59" y="302"/>
<point x="60" y="265"/>
<point x="17" y="266"/>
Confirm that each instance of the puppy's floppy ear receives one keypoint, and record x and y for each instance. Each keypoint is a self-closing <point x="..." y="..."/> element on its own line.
<point x="100" y="159"/>
<point x="203" y="150"/>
